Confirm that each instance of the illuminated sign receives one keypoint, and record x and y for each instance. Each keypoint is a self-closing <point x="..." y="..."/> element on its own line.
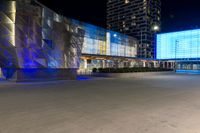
<point x="178" y="45"/>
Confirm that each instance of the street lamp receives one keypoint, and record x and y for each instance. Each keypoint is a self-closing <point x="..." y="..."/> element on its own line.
<point x="156" y="28"/>
<point x="175" y="66"/>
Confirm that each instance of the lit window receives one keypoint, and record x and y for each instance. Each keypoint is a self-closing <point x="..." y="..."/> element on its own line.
<point x="133" y="24"/>
<point x="126" y="1"/>
<point x="133" y="17"/>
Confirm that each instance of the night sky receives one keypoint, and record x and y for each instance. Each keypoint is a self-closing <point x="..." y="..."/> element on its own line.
<point x="176" y="14"/>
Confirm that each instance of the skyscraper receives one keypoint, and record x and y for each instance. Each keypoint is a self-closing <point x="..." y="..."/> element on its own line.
<point x="137" y="18"/>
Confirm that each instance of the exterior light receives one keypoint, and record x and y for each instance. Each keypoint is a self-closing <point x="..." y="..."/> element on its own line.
<point x="115" y="35"/>
<point x="13" y="10"/>
<point x="156" y="28"/>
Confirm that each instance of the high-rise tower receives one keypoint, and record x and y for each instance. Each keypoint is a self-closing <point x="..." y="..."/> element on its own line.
<point x="137" y="18"/>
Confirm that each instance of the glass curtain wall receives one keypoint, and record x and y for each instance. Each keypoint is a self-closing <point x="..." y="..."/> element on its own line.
<point x="99" y="41"/>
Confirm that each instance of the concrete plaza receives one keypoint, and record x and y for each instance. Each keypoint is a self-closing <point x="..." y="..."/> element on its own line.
<point x="155" y="104"/>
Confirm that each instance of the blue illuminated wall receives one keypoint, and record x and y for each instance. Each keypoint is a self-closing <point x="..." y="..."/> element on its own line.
<point x="33" y="36"/>
<point x="178" y="45"/>
<point x="36" y="42"/>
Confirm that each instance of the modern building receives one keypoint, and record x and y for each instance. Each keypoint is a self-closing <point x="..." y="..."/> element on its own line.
<point x="181" y="48"/>
<point x="104" y="48"/>
<point x="37" y="43"/>
<point x="137" y="18"/>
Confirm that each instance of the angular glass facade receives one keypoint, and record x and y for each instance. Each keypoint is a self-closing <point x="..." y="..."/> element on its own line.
<point x="35" y="37"/>
<point x="36" y="42"/>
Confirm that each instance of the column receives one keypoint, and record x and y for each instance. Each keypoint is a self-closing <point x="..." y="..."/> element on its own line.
<point x="163" y="64"/>
<point x="155" y="64"/>
<point x="167" y="65"/>
<point x="103" y="64"/>
<point x="144" y="64"/>
<point x="85" y="63"/>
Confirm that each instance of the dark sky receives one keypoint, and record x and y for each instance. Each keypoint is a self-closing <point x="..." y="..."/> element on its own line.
<point x="176" y="14"/>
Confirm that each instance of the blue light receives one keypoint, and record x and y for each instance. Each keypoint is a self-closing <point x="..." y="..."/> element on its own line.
<point x="80" y="78"/>
<point x="178" y="45"/>
<point x="115" y="35"/>
<point x="188" y="71"/>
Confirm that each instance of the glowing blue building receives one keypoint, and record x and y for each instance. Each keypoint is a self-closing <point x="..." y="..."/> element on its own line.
<point x="182" y="47"/>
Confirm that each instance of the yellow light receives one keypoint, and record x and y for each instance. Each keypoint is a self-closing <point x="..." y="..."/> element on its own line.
<point x="13" y="10"/>
<point x="13" y="34"/>
<point x="126" y="1"/>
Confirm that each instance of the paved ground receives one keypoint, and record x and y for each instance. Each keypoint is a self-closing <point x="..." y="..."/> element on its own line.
<point x="162" y="104"/>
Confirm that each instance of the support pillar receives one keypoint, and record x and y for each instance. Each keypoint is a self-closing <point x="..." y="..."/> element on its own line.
<point x="144" y="64"/>
<point x="103" y="64"/>
<point x="85" y="63"/>
<point x="167" y="65"/>
<point x="164" y="65"/>
<point x="155" y="64"/>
